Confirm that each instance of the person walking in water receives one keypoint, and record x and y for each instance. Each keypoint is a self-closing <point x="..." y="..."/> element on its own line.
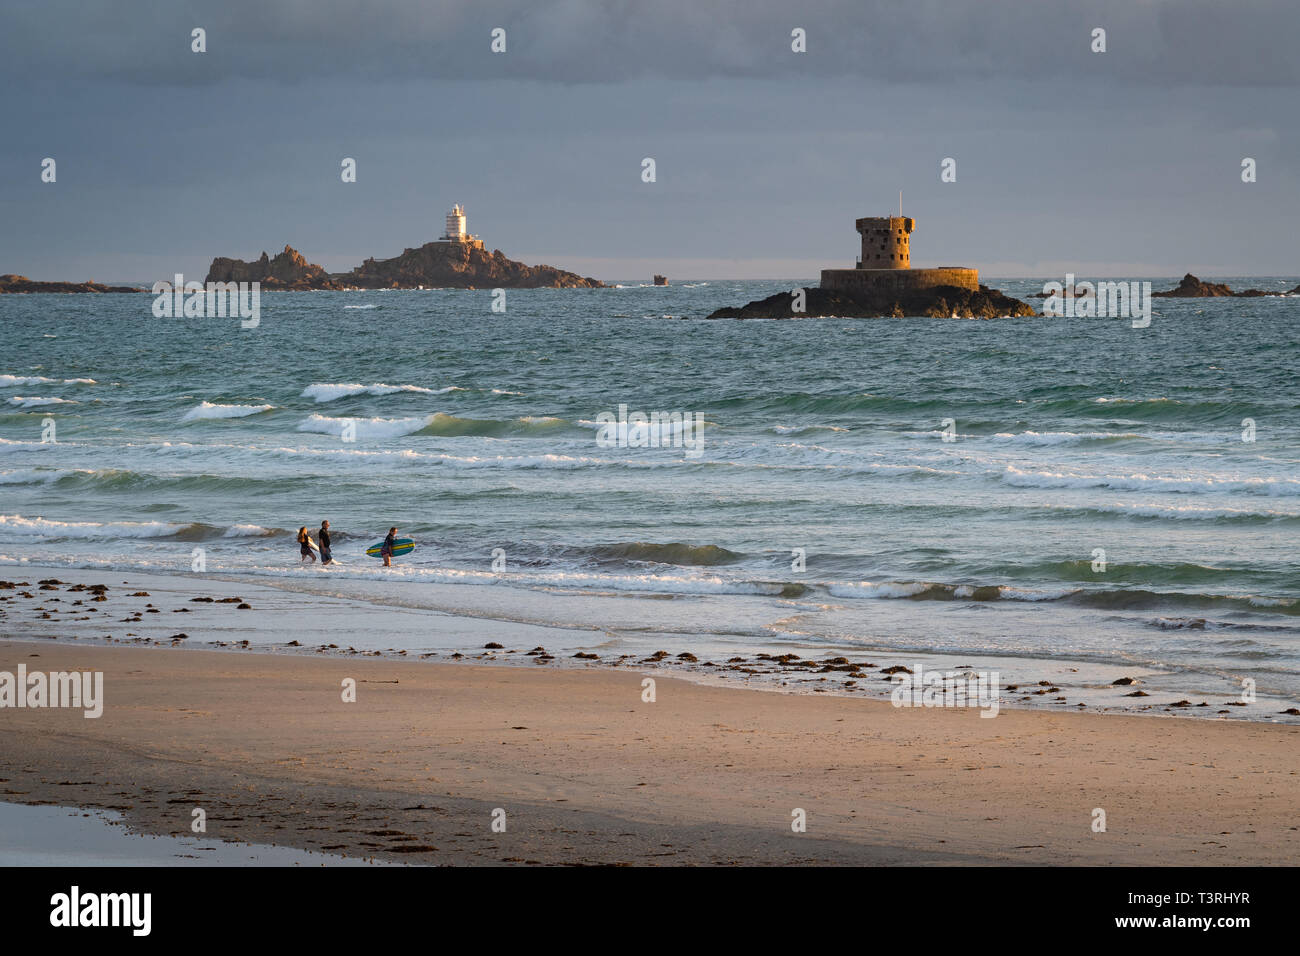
<point x="387" y="549"/>
<point x="325" y="557"/>
<point x="305" y="545"/>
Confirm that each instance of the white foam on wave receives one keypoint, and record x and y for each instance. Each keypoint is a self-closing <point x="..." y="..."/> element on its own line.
<point x="46" y="528"/>
<point x="561" y="462"/>
<point x="631" y="433"/>
<point x="247" y="531"/>
<point x="207" y="410"/>
<point x="365" y="427"/>
<point x="558" y="580"/>
<point x="905" y="589"/>
<point x="8" y="381"/>
<point x="37" y="402"/>
<point x="366" y="306"/>
<point x="798" y="429"/>
<point x="1269" y="602"/>
<point x="886" y="589"/>
<point x="330" y="391"/>
<point x="1190" y="512"/>
<point x="1177" y="484"/>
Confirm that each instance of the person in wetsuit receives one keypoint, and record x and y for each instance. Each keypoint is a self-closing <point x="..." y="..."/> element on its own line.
<point x="325" y="557"/>
<point x="305" y="545"/>
<point x="387" y="549"/>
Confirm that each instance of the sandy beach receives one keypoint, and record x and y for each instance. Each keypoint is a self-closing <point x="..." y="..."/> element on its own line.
<point x="417" y="769"/>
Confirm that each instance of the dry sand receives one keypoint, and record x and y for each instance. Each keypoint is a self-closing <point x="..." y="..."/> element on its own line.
<point x="587" y="772"/>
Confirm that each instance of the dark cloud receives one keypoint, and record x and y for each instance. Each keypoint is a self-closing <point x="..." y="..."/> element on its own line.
<point x="168" y="158"/>
<point x="1156" y="42"/>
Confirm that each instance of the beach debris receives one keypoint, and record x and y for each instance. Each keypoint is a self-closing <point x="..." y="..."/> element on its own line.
<point x="1138" y="693"/>
<point x="587" y="657"/>
<point x="1124" y="682"/>
<point x="493" y="646"/>
<point x="896" y="669"/>
<point x="1292" y="712"/>
<point x="688" y="657"/>
<point x="204" y="600"/>
<point x="139" y="594"/>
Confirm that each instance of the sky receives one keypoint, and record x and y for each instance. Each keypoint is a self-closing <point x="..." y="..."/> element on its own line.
<point x="1126" y="162"/>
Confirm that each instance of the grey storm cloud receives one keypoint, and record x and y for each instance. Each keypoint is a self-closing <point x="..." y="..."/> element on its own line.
<point x="1156" y="42"/>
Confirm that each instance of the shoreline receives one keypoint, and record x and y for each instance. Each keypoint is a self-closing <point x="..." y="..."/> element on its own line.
<point x="588" y="772"/>
<point x="307" y="616"/>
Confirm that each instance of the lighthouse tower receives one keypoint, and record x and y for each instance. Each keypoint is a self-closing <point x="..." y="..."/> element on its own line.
<point x="456" y="230"/>
<point x="455" y="224"/>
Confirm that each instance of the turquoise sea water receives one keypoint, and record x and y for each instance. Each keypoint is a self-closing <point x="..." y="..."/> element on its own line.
<point x="477" y="431"/>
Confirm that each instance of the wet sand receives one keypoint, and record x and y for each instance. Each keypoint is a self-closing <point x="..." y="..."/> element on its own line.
<point x="586" y="771"/>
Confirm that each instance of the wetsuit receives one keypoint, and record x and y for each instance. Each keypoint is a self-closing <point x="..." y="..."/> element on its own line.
<point x="325" y="546"/>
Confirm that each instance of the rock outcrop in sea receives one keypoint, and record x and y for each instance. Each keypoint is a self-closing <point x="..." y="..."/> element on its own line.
<point x="289" y="271"/>
<point x="934" y="302"/>
<point x="1193" y="288"/>
<point x="16" y="283"/>
<point x="442" y="265"/>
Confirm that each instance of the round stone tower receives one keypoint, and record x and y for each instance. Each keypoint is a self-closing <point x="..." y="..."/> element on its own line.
<point x="884" y="242"/>
<point x="885" y="268"/>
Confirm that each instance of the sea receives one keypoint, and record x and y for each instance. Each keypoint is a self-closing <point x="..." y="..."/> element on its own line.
<point x="1072" y="494"/>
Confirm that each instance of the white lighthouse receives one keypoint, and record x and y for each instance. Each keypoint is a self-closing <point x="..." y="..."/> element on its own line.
<point x="455" y="224"/>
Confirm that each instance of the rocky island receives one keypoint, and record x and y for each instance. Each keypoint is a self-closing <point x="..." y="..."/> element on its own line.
<point x="939" y="302"/>
<point x="884" y="284"/>
<point x="456" y="261"/>
<point x="19" y="284"/>
<point x="1193" y="288"/>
